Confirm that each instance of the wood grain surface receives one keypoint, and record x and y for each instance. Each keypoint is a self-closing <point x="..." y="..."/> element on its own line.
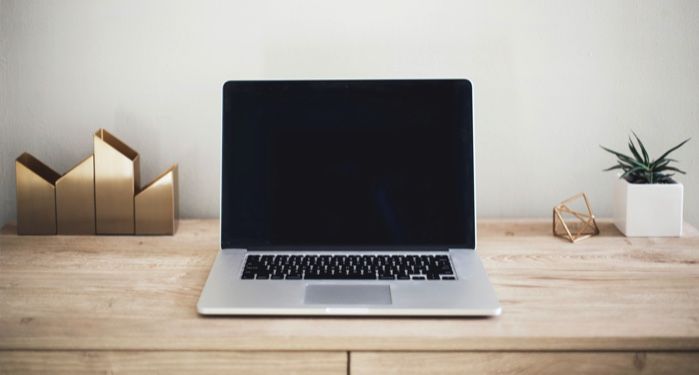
<point x="139" y="293"/>
<point x="172" y="362"/>
<point x="509" y="363"/>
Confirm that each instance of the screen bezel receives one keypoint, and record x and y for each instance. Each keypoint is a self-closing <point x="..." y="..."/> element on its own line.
<point x="467" y="130"/>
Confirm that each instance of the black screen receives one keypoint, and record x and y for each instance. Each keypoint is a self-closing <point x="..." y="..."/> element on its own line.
<point x="347" y="164"/>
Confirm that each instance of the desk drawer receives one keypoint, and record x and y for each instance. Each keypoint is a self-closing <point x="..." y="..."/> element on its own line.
<point x="542" y="363"/>
<point x="171" y="362"/>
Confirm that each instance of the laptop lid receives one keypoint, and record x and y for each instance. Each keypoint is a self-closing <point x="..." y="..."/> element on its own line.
<point x="347" y="165"/>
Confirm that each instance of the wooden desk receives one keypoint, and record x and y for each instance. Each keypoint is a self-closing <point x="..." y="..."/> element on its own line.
<point x="608" y="304"/>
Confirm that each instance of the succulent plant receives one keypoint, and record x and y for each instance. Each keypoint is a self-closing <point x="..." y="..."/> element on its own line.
<point x="640" y="169"/>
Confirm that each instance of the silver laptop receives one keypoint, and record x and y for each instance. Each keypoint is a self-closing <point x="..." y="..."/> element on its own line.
<point x="348" y="198"/>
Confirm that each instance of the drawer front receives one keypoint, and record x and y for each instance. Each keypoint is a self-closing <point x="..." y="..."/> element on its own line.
<point x="171" y="362"/>
<point x="405" y="363"/>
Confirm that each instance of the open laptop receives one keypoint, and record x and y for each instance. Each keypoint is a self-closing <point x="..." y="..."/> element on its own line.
<point x="351" y="197"/>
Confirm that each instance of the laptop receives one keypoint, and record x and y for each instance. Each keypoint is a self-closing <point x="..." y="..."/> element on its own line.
<point x="348" y="197"/>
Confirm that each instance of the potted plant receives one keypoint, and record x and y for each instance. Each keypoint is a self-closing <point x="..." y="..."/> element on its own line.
<point x="647" y="200"/>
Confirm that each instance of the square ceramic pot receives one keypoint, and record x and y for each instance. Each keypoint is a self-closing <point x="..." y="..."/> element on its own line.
<point x="648" y="210"/>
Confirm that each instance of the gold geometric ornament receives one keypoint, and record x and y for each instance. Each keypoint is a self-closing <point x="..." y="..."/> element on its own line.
<point x="157" y="205"/>
<point x="100" y="195"/>
<point x="581" y="224"/>
<point x="75" y="199"/>
<point x="36" y="196"/>
<point x="117" y="177"/>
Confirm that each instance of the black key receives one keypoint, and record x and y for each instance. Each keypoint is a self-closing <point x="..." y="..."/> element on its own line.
<point x="418" y="277"/>
<point x="448" y="278"/>
<point x="293" y="277"/>
<point x="262" y="277"/>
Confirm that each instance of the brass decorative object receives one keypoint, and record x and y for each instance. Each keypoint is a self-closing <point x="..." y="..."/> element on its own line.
<point x="117" y="175"/>
<point x="75" y="199"/>
<point x="99" y="195"/>
<point x="581" y="225"/>
<point x="36" y="196"/>
<point x="156" y="205"/>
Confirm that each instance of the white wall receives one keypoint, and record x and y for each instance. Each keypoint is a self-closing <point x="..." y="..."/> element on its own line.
<point x="553" y="80"/>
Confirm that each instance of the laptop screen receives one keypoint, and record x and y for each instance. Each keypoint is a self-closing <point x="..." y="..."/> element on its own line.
<point x="352" y="165"/>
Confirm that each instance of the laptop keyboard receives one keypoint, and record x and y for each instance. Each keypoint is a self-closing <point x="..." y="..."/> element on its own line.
<point x="348" y="267"/>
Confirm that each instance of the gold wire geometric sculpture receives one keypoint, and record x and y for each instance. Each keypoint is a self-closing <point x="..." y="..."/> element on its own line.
<point x="582" y="225"/>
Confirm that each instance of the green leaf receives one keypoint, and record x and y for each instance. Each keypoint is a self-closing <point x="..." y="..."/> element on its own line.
<point x="655" y="163"/>
<point x="643" y="149"/>
<point x="661" y="166"/>
<point x="618" y="166"/>
<point x="635" y="163"/>
<point x="675" y="169"/>
<point x="673" y="149"/>
<point x="612" y="151"/>
<point x="633" y="150"/>
<point x="625" y="158"/>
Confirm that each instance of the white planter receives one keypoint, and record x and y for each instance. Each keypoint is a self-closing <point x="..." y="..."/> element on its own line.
<point x="648" y="210"/>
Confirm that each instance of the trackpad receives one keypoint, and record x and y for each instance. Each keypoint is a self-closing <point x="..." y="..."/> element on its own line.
<point x="347" y="295"/>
